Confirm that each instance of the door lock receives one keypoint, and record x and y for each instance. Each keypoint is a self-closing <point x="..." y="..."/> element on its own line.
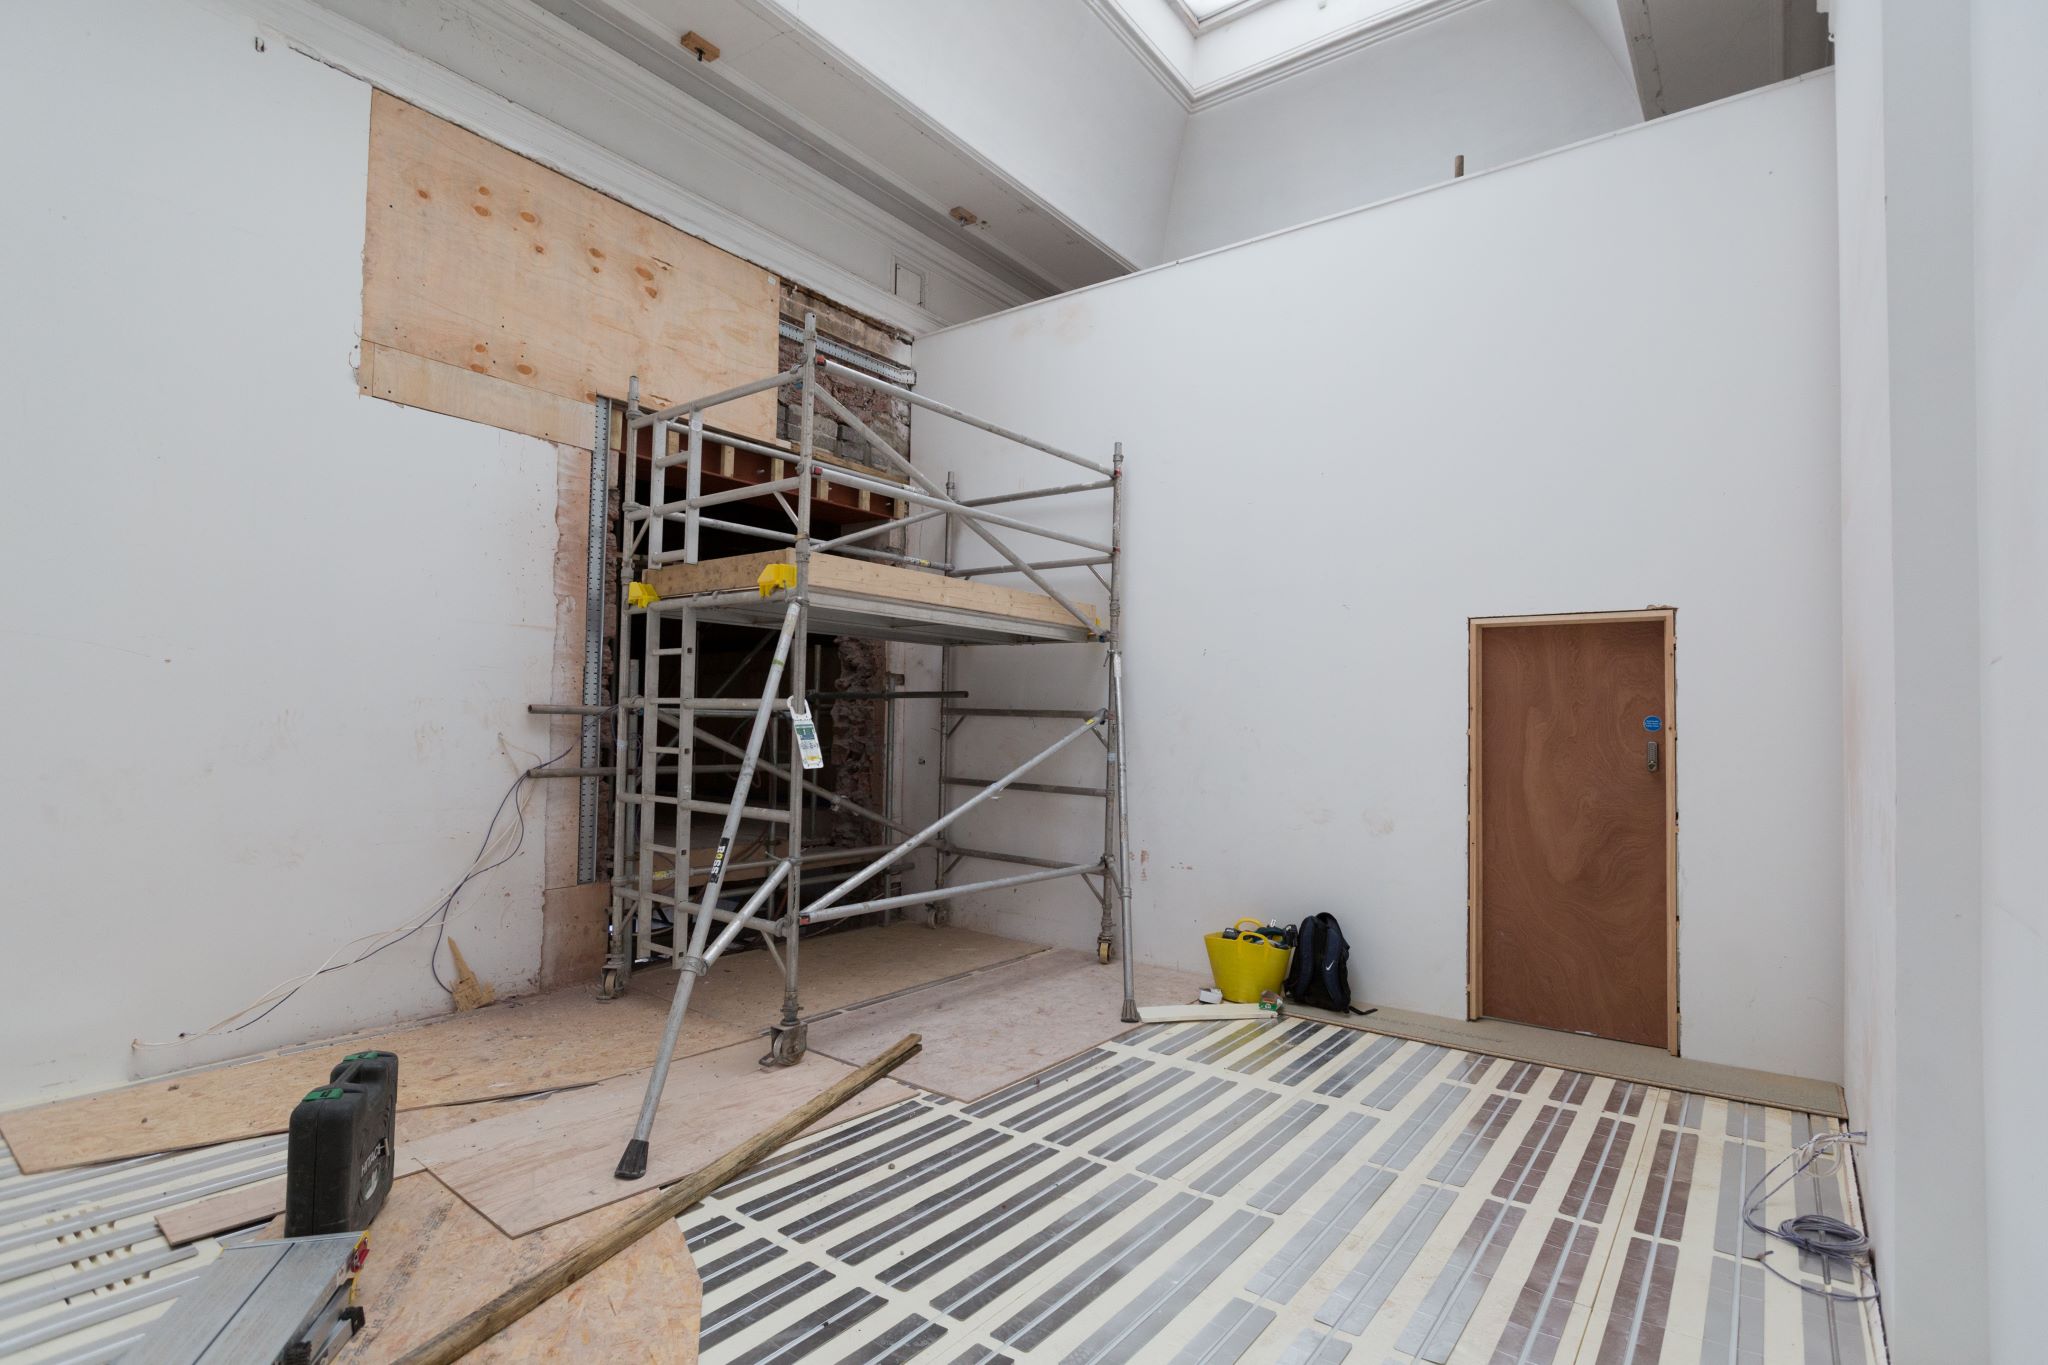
<point x="1650" y="756"/>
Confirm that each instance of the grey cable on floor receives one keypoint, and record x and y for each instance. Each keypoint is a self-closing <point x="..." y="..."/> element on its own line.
<point x="1817" y="1234"/>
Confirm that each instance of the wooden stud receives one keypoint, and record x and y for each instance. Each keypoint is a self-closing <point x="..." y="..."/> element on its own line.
<point x="706" y="50"/>
<point x="516" y="1302"/>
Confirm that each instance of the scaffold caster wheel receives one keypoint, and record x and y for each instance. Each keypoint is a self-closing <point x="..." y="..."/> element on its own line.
<point x="787" y="1046"/>
<point x="1103" y="951"/>
<point x="608" y="985"/>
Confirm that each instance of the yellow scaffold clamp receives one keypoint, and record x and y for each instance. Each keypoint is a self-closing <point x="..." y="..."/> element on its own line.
<point x="640" y="596"/>
<point x="777" y="576"/>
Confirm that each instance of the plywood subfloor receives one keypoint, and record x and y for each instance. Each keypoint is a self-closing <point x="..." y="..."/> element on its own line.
<point x="842" y="969"/>
<point x="988" y="1029"/>
<point x="1290" y="1191"/>
<point x="249" y="1204"/>
<point x="555" y="1160"/>
<point x="514" y="1047"/>
<point x="433" y="1259"/>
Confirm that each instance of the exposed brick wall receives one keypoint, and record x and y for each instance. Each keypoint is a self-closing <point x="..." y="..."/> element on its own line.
<point x="860" y="732"/>
<point x="859" y="729"/>
<point x="887" y="417"/>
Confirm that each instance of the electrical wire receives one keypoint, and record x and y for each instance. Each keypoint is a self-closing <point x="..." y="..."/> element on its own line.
<point x="277" y="995"/>
<point x="1815" y="1234"/>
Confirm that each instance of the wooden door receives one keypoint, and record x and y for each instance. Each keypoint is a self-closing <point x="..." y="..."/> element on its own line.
<point x="1573" y="836"/>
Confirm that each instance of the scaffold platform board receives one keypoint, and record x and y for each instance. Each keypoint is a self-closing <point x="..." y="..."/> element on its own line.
<point x="879" y="601"/>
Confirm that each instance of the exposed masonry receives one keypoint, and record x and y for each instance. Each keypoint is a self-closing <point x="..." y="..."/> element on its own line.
<point x="888" y="417"/>
<point x="859" y="730"/>
<point x="859" y="733"/>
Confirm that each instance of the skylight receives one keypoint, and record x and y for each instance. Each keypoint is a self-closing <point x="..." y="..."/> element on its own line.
<point x="1203" y="15"/>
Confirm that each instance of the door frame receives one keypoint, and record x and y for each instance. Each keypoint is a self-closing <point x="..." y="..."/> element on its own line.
<point x="1475" y="979"/>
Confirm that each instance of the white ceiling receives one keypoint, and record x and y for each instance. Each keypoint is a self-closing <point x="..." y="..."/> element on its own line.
<point x="785" y="81"/>
<point x="1057" y="126"/>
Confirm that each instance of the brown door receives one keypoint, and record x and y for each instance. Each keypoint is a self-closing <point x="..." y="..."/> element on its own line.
<point x="1572" y="827"/>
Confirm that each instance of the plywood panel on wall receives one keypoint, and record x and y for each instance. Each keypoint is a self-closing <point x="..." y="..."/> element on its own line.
<point x="477" y="258"/>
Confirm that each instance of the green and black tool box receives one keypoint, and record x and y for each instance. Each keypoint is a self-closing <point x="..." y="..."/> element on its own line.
<point x="339" y="1153"/>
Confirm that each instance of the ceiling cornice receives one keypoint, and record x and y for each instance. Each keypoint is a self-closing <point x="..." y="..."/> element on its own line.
<point x="1147" y="52"/>
<point x="1304" y="57"/>
<point x="309" y="26"/>
<point x="760" y="113"/>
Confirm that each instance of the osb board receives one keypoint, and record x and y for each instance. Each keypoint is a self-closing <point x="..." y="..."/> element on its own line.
<point x="457" y="392"/>
<point x="999" y="1026"/>
<point x="433" y="1259"/>
<point x="514" y="1047"/>
<point x="886" y="581"/>
<point x="555" y="1161"/>
<point x="247" y="1204"/>
<point x="847" y="968"/>
<point x="478" y="258"/>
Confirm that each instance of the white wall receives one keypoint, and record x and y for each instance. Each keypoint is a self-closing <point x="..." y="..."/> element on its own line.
<point x="1042" y="88"/>
<point x="1911" y="643"/>
<point x="1495" y="83"/>
<point x="262" y="635"/>
<point x="2011" y="143"/>
<point x="1616" y="388"/>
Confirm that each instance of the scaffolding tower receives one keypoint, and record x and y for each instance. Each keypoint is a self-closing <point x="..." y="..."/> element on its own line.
<point x="659" y="703"/>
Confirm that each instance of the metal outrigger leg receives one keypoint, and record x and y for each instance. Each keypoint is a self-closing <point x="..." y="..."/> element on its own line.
<point x="702" y="953"/>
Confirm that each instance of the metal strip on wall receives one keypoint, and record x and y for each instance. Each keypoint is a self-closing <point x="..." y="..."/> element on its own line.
<point x="593" y="634"/>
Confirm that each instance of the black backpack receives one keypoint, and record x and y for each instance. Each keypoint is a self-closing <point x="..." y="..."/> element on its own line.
<point x="1319" y="975"/>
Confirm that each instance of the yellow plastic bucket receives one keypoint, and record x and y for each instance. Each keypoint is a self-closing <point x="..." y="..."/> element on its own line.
<point x="1246" y="966"/>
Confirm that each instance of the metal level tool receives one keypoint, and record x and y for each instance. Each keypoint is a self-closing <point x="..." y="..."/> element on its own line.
<point x="288" y="1302"/>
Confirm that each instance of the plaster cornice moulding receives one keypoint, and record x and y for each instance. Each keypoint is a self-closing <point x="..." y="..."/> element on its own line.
<point x="316" y="31"/>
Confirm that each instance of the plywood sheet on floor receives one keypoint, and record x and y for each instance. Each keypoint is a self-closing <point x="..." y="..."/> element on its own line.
<point x="514" y="1047"/>
<point x="848" y="968"/>
<point x="249" y="1204"/>
<point x="991" y="1028"/>
<point x="555" y="1161"/>
<point x="433" y="1259"/>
